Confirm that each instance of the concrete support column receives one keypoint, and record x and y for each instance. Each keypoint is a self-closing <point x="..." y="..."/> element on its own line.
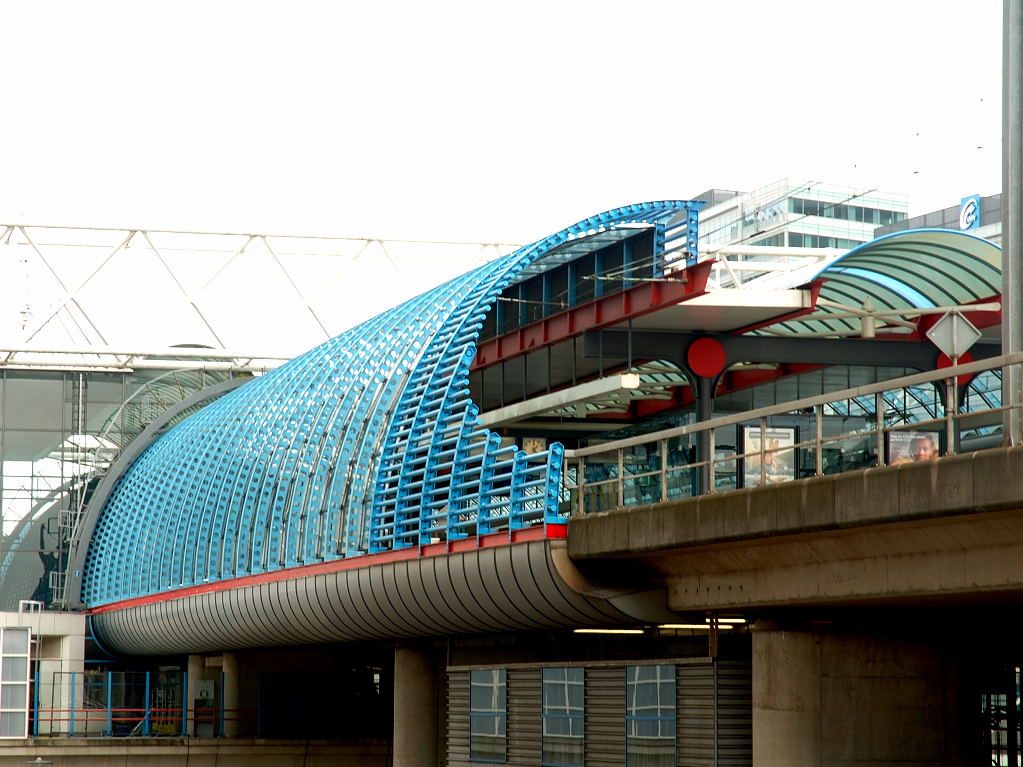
<point x="786" y="699"/>
<point x="829" y="698"/>
<point x="416" y="693"/>
<point x="230" y="692"/>
<point x="195" y="666"/>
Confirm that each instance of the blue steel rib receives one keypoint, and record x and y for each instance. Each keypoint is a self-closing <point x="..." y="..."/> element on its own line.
<point x="368" y="443"/>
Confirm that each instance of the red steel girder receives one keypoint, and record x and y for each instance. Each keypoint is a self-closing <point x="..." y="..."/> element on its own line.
<point x="602" y="312"/>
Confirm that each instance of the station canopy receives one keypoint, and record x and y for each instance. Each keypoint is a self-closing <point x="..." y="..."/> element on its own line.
<point x="896" y="278"/>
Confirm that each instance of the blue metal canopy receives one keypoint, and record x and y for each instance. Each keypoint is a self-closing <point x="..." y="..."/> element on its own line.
<point x="367" y="443"/>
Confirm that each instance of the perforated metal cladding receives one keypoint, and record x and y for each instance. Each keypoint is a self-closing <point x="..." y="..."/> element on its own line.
<point x="367" y="443"/>
<point x="605" y="717"/>
<point x="695" y="710"/>
<point x="429" y="596"/>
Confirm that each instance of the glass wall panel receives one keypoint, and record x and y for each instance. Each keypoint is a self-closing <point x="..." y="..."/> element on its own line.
<point x="650" y="716"/>
<point x="12" y="724"/>
<point x="532" y="300"/>
<point x="564" y="714"/>
<point x="15" y="642"/>
<point x="582" y="275"/>
<point x="14" y="664"/>
<point x="34" y="401"/>
<point x="14" y="670"/>
<point x="13" y="695"/>
<point x="611" y="270"/>
<point x="488" y="713"/>
<point x="557" y="290"/>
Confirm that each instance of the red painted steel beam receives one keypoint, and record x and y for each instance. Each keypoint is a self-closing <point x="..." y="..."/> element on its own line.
<point x="980" y="319"/>
<point x="553" y="531"/>
<point x="603" y="312"/>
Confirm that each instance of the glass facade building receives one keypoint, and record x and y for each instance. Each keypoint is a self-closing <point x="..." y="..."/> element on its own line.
<point x="801" y="214"/>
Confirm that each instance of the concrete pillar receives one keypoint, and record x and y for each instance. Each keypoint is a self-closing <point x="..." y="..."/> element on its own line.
<point x="195" y="666"/>
<point x="786" y="699"/>
<point x="230" y="693"/>
<point x="416" y="693"/>
<point x="833" y="698"/>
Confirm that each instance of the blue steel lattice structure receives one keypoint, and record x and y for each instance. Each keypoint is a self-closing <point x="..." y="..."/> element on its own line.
<point x="367" y="443"/>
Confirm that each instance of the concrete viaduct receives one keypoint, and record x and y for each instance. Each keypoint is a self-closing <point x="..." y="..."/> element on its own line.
<point x="872" y="592"/>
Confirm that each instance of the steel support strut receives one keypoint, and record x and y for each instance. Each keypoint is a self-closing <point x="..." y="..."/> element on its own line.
<point x="1012" y="215"/>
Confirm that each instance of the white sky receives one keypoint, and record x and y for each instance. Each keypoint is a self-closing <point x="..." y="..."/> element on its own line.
<point x="479" y="120"/>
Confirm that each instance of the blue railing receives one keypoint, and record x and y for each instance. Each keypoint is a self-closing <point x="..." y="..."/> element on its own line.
<point x="125" y="704"/>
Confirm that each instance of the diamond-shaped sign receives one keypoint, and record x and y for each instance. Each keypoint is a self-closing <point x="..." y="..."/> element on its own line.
<point x="953" y="334"/>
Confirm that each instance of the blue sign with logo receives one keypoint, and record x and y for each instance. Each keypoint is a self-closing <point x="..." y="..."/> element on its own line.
<point x="969" y="212"/>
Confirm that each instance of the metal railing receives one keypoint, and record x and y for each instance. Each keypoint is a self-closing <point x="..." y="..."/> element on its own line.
<point x="499" y="488"/>
<point x="130" y="704"/>
<point x="791" y="440"/>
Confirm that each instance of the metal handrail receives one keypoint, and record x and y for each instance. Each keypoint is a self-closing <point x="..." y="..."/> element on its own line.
<point x="804" y="403"/>
<point x="809" y="406"/>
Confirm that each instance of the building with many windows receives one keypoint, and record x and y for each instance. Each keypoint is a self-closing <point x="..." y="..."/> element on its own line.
<point x="983" y="220"/>
<point x="797" y="214"/>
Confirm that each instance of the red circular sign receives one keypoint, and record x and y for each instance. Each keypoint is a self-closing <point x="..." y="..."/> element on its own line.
<point x="706" y="357"/>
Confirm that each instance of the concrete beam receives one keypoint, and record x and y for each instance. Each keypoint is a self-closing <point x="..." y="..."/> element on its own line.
<point x="951" y="527"/>
<point x="905" y="563"/>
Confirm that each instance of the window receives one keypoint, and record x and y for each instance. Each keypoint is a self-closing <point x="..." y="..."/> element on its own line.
<point x="612" y="266"/>
<point x="488" y="715"/>
<point x="14" y="682"/>
<point x="650" y="716"/>
<point x="774" y="240"/>
<point x="582" y="274"/>
<point x="557" y="290"/>
<point x="532" y="300"/>
<point x="563" y="717"/>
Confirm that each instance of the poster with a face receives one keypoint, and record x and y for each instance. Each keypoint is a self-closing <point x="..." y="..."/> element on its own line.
<point x="905" y="446"/>
<point x="779" y="460"/>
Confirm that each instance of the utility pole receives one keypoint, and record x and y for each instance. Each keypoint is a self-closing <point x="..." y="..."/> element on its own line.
<point x="1012" y="215"/>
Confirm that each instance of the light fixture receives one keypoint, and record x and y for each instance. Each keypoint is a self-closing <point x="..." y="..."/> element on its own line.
<point x="729" y="620"/>
<point x="607" y="631"/>
<point x="694" y="626"/>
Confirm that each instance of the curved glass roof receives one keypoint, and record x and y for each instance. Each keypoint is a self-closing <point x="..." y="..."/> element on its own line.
<point x="913" y="269"/>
